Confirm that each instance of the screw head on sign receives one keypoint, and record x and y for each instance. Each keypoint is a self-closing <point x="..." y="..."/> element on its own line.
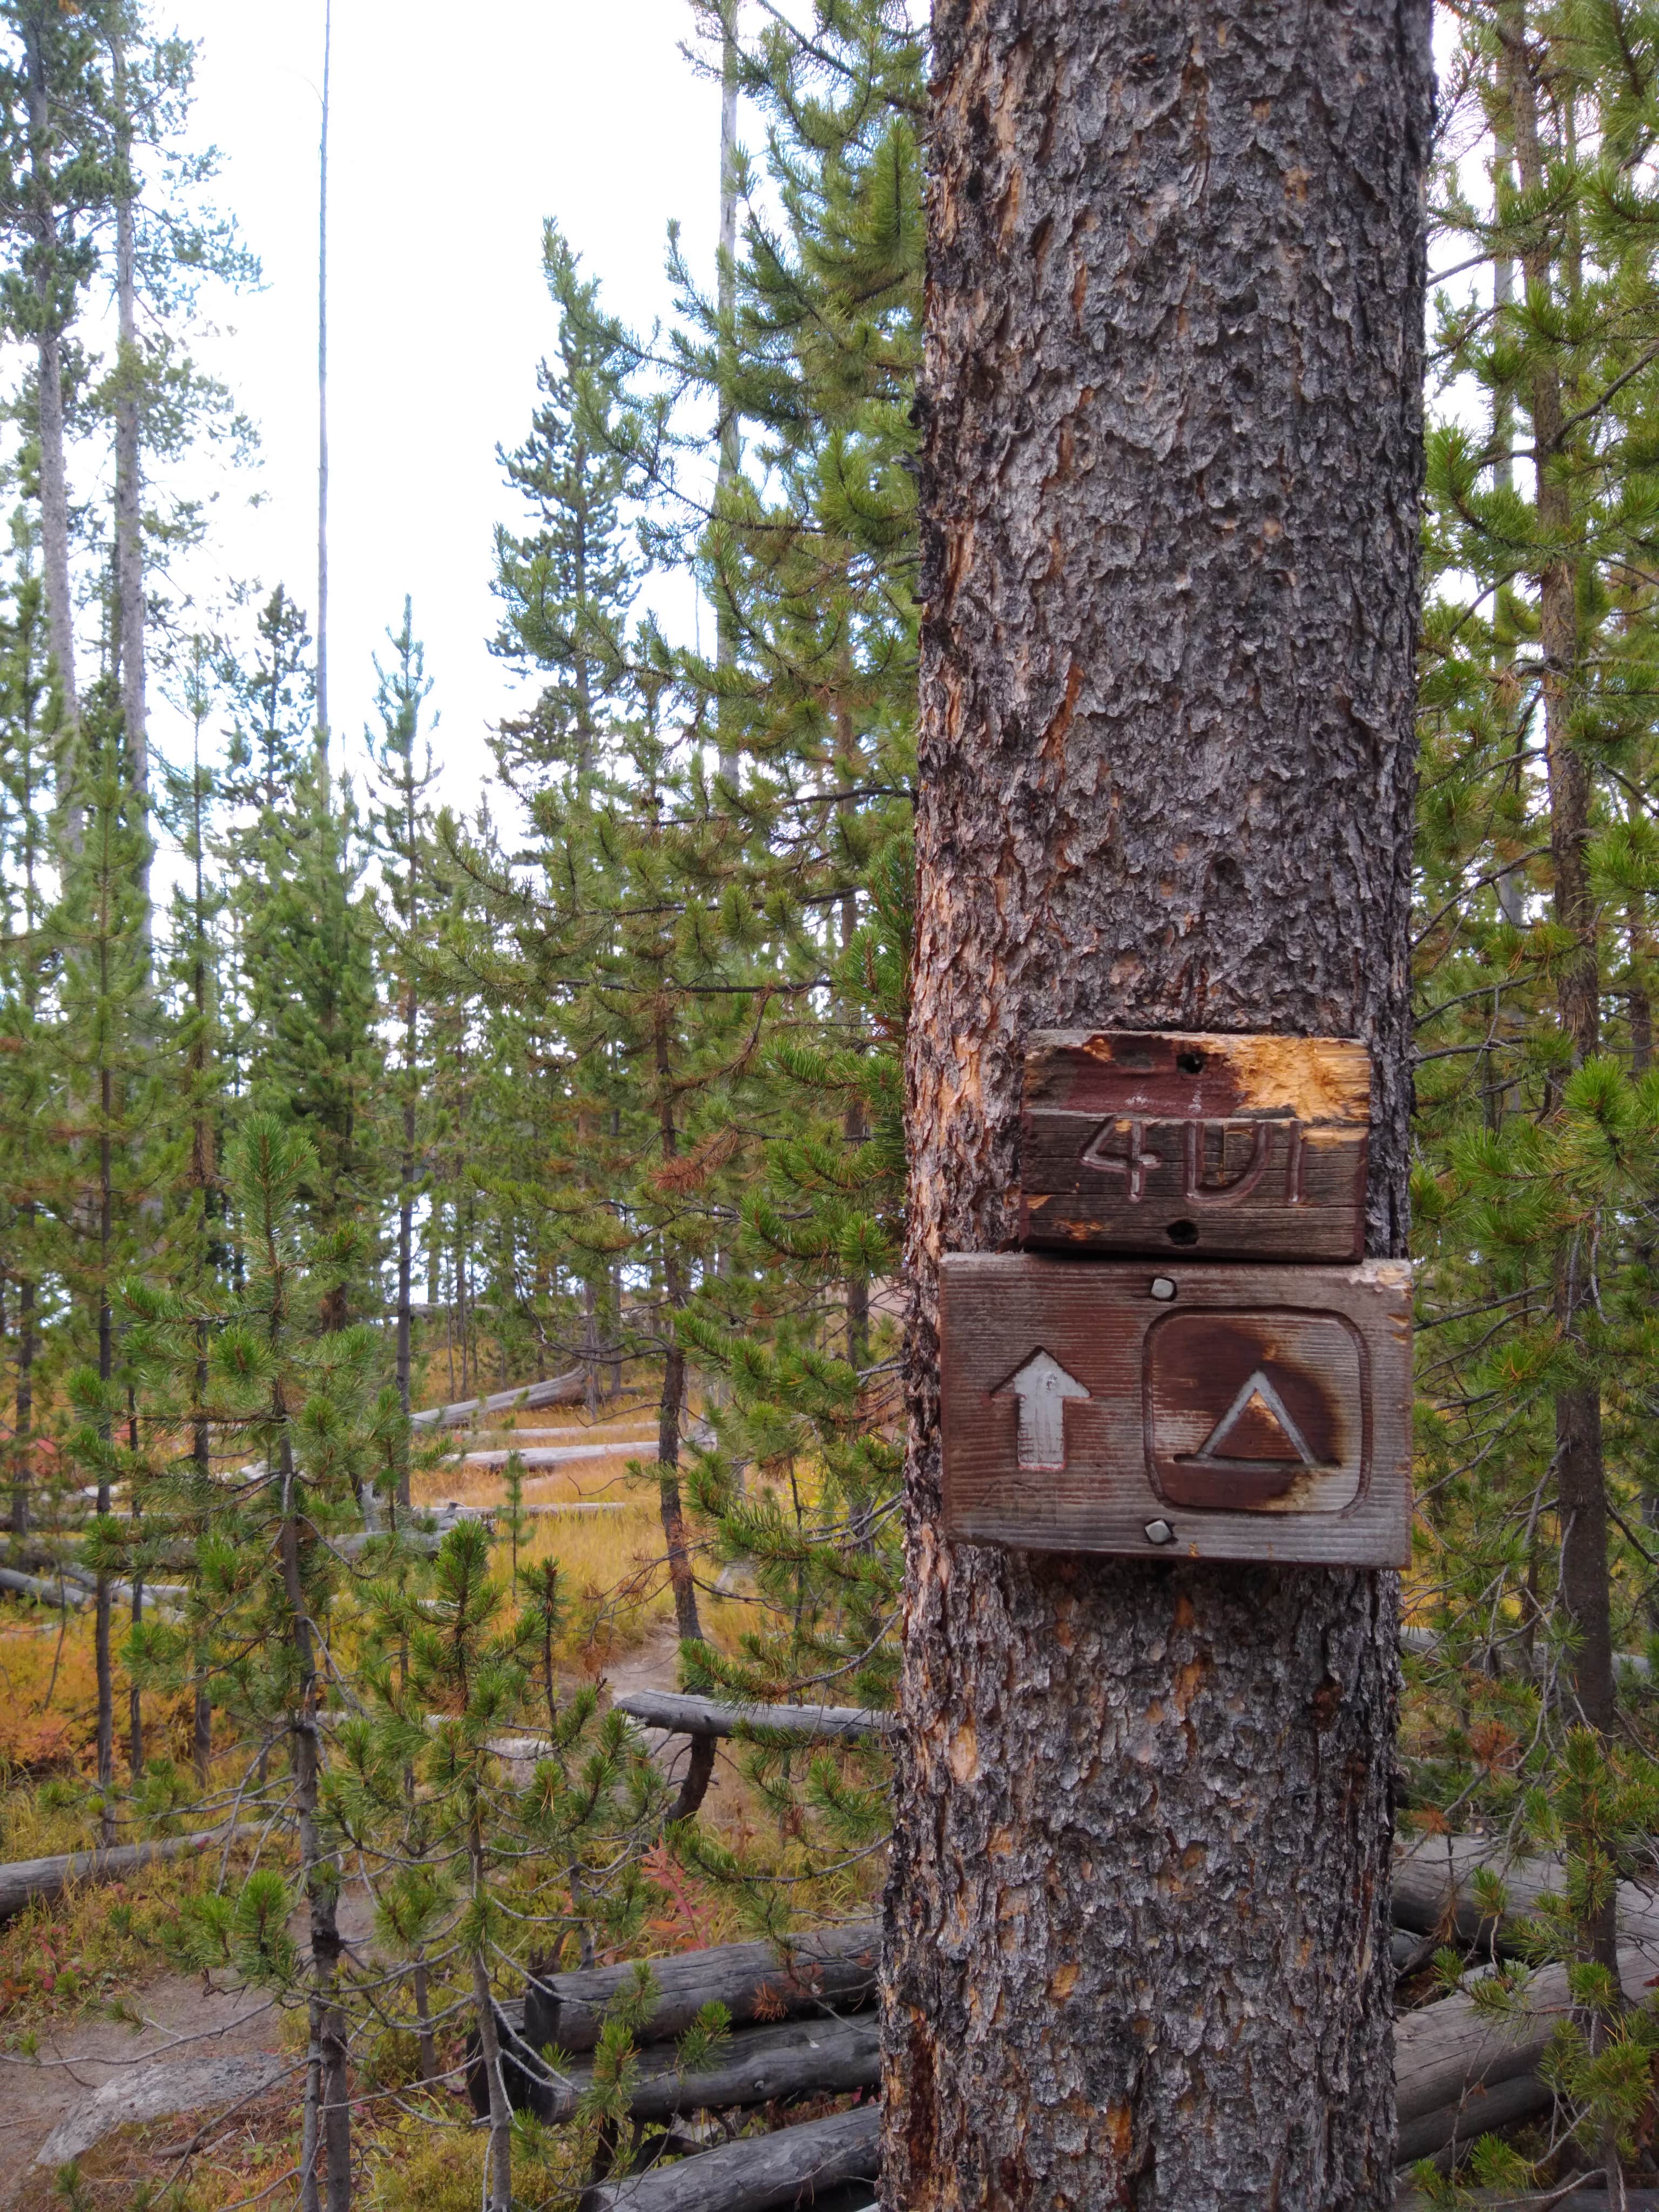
<point x="1159" y="1532"/>
<point x="1162" y="1287"/>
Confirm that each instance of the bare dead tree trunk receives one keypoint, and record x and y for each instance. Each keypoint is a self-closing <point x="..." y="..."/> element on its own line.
<point x="1136" y="1916"/>
<point x="322" y="388"/>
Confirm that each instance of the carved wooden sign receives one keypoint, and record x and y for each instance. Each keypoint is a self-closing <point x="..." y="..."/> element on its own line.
<point x="1240" y="1146"/>
<point x="1225" y="1411"/>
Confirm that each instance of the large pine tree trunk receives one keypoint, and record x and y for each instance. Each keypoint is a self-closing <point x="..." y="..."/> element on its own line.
<point x="1137" y="1911"/>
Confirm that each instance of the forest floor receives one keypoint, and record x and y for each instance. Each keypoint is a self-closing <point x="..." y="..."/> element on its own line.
<point x="188" y="2021"/>
<point x="185" y="2021"/>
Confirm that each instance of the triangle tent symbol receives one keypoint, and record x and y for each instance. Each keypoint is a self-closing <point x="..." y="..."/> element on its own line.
<point x="1257" y="1427"/>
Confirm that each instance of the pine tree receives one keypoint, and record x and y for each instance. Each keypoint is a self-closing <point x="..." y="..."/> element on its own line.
<point x="27" y="753"/>
<point x="315" y="1056"/>
<point x="300" y="1395"/>
<point x="568" y="583"/>
<point x="401" y="824"/>
<point x="109" y="1084"/>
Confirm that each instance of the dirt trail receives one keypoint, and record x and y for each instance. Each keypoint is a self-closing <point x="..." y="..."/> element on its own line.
<point x="185" y="2018"/>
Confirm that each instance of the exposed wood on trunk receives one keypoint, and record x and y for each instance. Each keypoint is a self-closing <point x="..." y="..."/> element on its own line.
<point x="1138" y="1935"/>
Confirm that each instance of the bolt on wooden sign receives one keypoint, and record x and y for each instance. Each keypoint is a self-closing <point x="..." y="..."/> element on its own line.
<point x="1252" y="1405"/>
<point x="1251" y="1147"/>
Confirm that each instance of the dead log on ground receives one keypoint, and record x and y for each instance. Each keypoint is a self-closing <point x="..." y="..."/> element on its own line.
<point x="679" y="1715"/>
<point x="1448" y="2054"/>
<point x="1432" y="1888"/>
<point x="1452" y="2128"/>
<point x="56" y="1593"/>
<point x="791" y="2168"/>
<point x="1505" y="2200"/>
<point x="24" y="1880"/>
<point x="755" y="2065"/>
<point x="561" y="1390"/>
<point x="826" y="1968"/>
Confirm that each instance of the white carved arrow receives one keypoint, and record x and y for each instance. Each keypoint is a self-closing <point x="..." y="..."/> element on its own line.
<point x="1042" y="1386"/>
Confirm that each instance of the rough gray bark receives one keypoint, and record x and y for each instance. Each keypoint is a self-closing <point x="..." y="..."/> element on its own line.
<point x="1137" y="1918"/>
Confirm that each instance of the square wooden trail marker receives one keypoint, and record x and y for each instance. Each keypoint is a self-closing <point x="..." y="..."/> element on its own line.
<point x="1225" y="1412"/>
<point x="1218" y="1146"/>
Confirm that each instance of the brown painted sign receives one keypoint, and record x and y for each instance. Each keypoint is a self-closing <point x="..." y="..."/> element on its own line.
<point x="1225" y="1412"/>
<point x="1235" y="1146"/>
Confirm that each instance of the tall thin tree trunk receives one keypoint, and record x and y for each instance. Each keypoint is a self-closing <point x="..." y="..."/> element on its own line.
<point x="700" y="1766"/>
<point x="1137" y="1916"/>
<point x="23" y="1463"/>
<point x="328" y="2115"/>
<point x="725" y="300"/>
<point x="102" y="1657"/>
<point x="406" y="1232"/>
<point x="49" y="399"/>
<point x="129" y="524"/>
<point x="1581" y="1476"/>
<point x="322" y="387"/>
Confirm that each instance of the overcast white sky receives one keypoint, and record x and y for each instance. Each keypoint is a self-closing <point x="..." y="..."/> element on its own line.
<point x="452" y="139"/>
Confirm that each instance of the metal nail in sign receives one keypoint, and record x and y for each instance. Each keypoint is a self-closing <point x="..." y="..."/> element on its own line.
<point x="1211" y="1412"/>
<point x="1218" y="1146"/>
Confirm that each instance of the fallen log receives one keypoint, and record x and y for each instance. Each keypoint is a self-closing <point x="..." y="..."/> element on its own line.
<point x="57" y="1593"/>
<point x="1439" y="2135"/>
<point x="24" y="1880"/>
<point x="1423" y="1642"/>
<point x="561" y="1390"/>
<point x="792" y="2167"/>
<point x="544" y="1456"/>
<point x="1449" y="2051"/>
<point x="1433" y="1889"/>
<point x="50" y="1566"/>
<point x="1552" y="2200"/>
<point x="826" y="1968"/>
<point x="680" y="1714"/>
<point x="795" y="2059"/>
